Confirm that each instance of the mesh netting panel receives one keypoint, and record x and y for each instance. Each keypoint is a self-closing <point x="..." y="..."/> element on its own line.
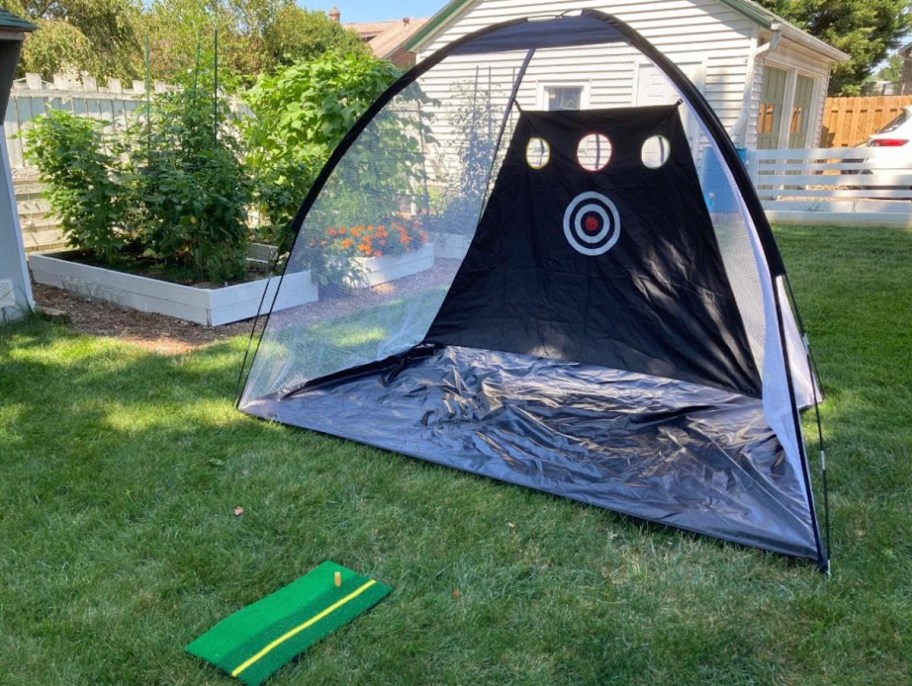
<point x="380" y="246"/>
<point x="733" y="236"/>
<point x="388" y="231"/>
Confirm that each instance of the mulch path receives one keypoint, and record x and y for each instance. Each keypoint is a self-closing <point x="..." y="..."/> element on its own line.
<point x="154" y="332"/>
<point x="167" y="335"/>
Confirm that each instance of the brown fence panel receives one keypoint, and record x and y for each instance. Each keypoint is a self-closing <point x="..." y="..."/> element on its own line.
<point x="848" y="122"/>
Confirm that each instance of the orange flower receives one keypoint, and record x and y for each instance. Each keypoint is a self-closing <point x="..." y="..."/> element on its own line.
<point x="330" y="232"/>
<point x="347" y="243"/>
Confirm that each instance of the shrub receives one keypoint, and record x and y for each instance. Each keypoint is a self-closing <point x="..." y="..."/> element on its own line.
<point x="171" y="188"/>
<point x="191" y="187"/>
<point x="85" y="184"/>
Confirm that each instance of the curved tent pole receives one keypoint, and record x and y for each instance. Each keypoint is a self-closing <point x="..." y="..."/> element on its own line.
<point x="823" y="560"/>
<point x="294" y="226"/>
<point x="695" y="99"/>
<point x="821" y="445"/>
<point x="685" y="87"/>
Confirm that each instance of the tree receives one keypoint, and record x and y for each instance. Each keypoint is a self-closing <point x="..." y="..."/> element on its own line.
<point x="95" y="36"/>
<point x="867" y="30"/>
<point x="255" y="36"/>
<point x="297" y="34"/>
<point x="891" y="71"/>
<point x="177" y="31"/>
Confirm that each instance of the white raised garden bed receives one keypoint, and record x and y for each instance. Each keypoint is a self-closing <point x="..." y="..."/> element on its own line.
<point x="451" y="246"/>
<point x="210" y="306"/>
<point x="372" y="271"/>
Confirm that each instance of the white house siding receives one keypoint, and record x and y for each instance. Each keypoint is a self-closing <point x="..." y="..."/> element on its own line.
<point x="753" y="113"/>
<point x="711" y="42"/>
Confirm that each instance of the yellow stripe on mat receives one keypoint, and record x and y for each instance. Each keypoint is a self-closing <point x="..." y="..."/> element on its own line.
<point x="298" y="629"/>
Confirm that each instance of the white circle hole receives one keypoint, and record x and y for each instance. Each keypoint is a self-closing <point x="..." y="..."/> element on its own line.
<point x="593" y="151"/>
<point x="538" y="153"/>
<point x="655" y="151"/>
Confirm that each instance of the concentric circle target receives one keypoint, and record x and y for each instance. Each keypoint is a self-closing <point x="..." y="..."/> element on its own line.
<point x="591" y="224"/>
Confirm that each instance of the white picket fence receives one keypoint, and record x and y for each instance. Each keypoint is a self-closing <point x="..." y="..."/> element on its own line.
<point x="841" y="186"/>
<point x="31" y="97"/>
<point x="844" y="186"/>
<point x="111" y="102"/>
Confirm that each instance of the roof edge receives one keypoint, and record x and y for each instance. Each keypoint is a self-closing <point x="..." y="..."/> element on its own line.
<point x="752" y="11"/>
<point x="746" y="8"/>
<point x="794" y="33"/>
<point x="431" y="25"/>
<point x="8" y="20"/>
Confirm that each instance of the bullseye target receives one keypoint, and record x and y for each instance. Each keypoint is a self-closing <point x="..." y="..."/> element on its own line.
<point x="591" y="224"/>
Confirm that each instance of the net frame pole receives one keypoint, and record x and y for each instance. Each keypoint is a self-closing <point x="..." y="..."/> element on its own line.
<point x="823" y="560"/>
<point x="508" y="108"/>
<point x="817" y="398"/>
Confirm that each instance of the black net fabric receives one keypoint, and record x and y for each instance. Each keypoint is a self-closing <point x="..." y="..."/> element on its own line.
<point x="550" y="277"/>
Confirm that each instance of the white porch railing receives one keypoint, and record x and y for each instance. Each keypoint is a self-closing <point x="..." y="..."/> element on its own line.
<point x="843" y="186"/>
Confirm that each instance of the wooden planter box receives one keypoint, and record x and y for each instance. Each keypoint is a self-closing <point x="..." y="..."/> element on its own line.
<point x="209" y="306"/>
<point x="376" y="270"/>
<point x="451" y="246"/>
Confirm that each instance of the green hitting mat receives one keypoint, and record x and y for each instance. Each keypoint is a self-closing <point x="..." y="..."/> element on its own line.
<point x="254" y="642"/>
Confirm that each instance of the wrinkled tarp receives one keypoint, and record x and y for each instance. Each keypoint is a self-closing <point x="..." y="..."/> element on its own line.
<point x="669" y="451"/>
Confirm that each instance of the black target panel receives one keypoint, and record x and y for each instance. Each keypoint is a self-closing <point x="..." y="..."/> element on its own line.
<point x="617" y="267"/>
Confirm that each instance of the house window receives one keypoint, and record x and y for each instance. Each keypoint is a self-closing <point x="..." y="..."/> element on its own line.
<point x="801" y="112"/>
<point x="563" y="97"/>
<point x="772" y="98"/>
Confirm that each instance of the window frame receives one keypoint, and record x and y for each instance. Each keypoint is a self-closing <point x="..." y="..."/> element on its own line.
<point x="545" y="86"/>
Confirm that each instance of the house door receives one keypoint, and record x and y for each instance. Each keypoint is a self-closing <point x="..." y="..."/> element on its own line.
<point x="772" y="103"/>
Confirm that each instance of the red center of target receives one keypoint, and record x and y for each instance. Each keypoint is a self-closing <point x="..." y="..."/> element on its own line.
<point x="591" y="223"/>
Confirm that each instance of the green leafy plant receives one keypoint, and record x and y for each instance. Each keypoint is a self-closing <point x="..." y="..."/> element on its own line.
<point x="191" y="186"/>
<point x="301" y="114"/>
<point x="85" y="183"/>
<point x="170" y="189"/>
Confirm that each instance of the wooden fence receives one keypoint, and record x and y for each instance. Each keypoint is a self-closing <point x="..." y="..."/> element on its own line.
<point x="847" y="122"/>
<point x="843" y="186"/>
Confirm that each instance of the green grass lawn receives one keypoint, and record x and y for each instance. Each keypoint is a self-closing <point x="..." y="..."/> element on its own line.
<point x="120" y="471"/>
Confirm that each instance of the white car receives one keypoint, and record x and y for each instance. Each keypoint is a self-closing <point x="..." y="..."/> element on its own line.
<point x="889" y="153"/>
<point x="895" y="134"/>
